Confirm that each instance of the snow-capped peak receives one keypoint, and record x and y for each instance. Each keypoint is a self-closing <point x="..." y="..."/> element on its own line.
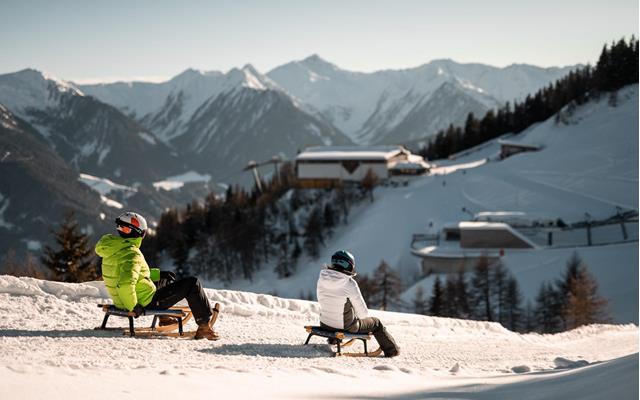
<point x="33" y="89"/>
<point x="249" y="77"/>
<point x="317" y="64"/>
<point x="191" y="74"/>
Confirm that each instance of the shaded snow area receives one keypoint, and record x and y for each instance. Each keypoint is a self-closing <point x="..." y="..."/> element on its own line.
<point x="178" y="181"/>
<point x="102" y="185"/>
<point x="48" y="348"/>
<point x="587" y="166"/>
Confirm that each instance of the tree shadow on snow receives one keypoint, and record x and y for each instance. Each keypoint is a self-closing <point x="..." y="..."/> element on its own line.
<point x="271" y="350"/>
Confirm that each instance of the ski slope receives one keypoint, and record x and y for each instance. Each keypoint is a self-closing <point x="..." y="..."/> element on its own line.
<point x="49" y="349"/>
<point x="589" y="165"/>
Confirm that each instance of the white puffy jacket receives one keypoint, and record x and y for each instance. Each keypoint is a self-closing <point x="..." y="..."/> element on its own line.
<point x="340" y="299"/>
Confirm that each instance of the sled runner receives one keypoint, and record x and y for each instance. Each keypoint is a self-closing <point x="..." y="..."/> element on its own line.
<point x="337" y="337"/>
<point x="215" y="311"/>
<point x="181" y="314"/>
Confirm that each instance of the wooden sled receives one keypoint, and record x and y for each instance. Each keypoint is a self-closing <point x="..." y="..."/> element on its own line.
<point x="180" y="313"/>
<point x="337" y="338"/>
<point x="215" y="311"/>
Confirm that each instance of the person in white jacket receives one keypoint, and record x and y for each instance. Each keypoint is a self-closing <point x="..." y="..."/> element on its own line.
<point x="342" y="307"/>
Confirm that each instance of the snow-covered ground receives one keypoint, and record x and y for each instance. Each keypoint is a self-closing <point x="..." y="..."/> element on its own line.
<point x="102" y="185"/>
<point x="587" y="166"/>
<point x="48" y="349"/>
<point x="176" y="182"/>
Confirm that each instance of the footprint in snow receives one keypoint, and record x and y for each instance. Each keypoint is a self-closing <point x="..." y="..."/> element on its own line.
<point x="521" y="369"/>
<point x="455" y="369"/>
<point x="385" y="368"/>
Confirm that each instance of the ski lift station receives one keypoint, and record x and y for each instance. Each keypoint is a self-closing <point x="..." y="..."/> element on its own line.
<point x="328" y="166"/>
<point x="460" y="245"/>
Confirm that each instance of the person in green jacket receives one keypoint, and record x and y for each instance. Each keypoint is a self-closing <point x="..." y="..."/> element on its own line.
<point x="128" y="277"/>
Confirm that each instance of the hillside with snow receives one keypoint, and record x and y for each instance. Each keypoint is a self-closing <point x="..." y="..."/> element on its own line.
<point x="587" y="165"/>
<point x="48" y="345"/>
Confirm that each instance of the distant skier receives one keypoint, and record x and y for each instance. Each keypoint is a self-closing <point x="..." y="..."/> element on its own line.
<point x="128" y="277"/>
<point x="342" y="307"/>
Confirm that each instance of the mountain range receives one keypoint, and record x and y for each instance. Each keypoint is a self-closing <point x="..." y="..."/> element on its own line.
<point x="134" y="134"/>
<point x="384" y="107"/>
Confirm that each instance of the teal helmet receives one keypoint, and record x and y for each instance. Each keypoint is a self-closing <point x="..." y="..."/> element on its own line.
<point x="344" y="262"/>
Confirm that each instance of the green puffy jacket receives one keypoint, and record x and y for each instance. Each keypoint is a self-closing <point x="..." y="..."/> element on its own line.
<point x="125" y="271"/>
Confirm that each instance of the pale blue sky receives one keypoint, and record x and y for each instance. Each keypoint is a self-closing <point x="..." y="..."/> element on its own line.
<point x="83" y="39"/>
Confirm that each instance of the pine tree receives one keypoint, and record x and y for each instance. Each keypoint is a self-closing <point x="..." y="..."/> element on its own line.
<point x="436" y="301"/>
<point x="529" y="318"/>
<point x="450" y="298"/>
<point x="329" y="219"/>
<point x="584" y="306"/>
<point x="73" y="261"/>
<point x="482" y="291"/>
<point x="283" y="264"/>
<point x="295" y="255"/>
<point x="368" y="289"/>
<point x="313" y="237"/>
<point x="512" y="306"/>
<point x="389" y="286"/>
<point x="563" y="287"/>
<point x="499" y="277"/>
<point x="545" y="312"/>
<point x="419" y="302"/>
<point x="462" y="295"/>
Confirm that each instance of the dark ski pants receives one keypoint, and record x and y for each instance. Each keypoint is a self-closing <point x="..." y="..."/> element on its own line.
<point x="170" y="291"/>
<point x="373" y="325"/>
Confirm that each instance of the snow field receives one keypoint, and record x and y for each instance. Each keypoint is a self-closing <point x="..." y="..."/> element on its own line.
<point x="47" y="332"/>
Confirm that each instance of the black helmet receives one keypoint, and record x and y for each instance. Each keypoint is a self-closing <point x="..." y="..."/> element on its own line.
<point x="344" y="262"/>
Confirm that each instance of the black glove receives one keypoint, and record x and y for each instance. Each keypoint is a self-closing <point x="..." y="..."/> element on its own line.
<point x="138" y="310"/>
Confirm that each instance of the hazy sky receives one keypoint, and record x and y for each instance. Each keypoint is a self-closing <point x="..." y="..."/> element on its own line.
<point x="105" y="40"/>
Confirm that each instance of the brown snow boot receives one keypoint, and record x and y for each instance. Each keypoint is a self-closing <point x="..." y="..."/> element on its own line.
<point x="205" y="332"/>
